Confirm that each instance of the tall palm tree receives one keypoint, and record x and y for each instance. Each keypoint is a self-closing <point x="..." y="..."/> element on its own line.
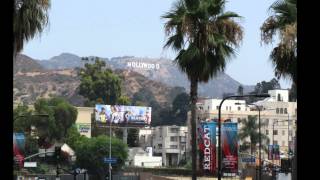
<point x="283" y="22"/>
<point x="250" y="129"/>
<point x="30" y="17"/>
<point x="204" y="37"/>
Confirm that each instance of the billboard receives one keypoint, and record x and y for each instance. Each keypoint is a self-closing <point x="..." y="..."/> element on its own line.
<point x="276" y="152"/>
<point x="273" y="152"/>
<point x="123" y="115"/>
<point x="270" y="152"/>
<point x="207" y="146"/>
<point x="229" y="149"/>
<point x="19" y="141"/>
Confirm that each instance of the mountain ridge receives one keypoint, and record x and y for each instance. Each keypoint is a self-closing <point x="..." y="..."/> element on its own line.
<point x="215" y="88"/>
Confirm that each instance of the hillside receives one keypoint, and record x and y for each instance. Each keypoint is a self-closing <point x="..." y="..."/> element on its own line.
<point x="26" y="64"/>
<point x="167" y="72"/>
<point x="28" y="86"/>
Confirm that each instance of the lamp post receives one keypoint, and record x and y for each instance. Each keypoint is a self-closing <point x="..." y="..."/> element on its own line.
<point x="219" y="126"/>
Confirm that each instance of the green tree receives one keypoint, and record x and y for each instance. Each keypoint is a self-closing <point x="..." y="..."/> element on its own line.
<point x="74" y="137"/>
<point x="250" y="129"/>
<point x="180" y="108"/>
<point x="97" y="82"/>
<point x="204" y="36"/>
<point x="282" y="22"/>
<point x="30" y="17"/>
<point x="22" y="119"/>
<point x="240" y="90"/>
<point x="133" y="137"/>
<point x="124" y="100"/>
<point x="262" y="88"/>
<point x="90" y="153"/>
<point x="61" y="116"/>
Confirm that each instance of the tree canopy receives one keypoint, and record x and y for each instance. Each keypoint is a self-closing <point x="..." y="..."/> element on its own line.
<point x="99" y="84"/>
<point x="90" y="153"/>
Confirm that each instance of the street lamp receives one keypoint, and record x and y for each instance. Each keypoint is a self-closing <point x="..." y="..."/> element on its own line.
<point x="219" y="125"/>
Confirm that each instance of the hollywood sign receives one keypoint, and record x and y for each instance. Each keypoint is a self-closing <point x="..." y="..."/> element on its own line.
<point x="143" y="65"/>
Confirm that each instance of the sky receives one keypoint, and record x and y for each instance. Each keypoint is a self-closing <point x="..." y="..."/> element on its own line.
<point x="114" y="28"/>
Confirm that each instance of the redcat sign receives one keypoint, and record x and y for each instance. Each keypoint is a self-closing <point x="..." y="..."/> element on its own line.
<point x="207" y="143"/>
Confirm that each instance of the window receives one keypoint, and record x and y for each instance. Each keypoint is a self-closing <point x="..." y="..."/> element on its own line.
<point x="174" y="138"/>
<point x="281" y="110"/>
<point x="217" y="107"/>
<point x="267" y="132"/>
<point x="275" y="142"/>
<point x="283" y="132"/>
<point x="183" y="139"/>
<point x="275" y="132"/>
<point x="285" y="111"/>
<point x="239" y="108"/>
<point x="290" y="132"/>
<point x="266" y="121"/>
<point x="279" y="97"/>
<point x="291" y="122"/>
<point x="275" y="121"/>
<point x="159" y="146"/>
<point x="277" y="110"/>
<point x="174" y="130"/>
<point x="296" y="111"/>
<point x="173" y="147"/>
<point x="229" y="108"/>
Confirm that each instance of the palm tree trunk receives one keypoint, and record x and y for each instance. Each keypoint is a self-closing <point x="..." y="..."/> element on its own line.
<point x="193" y="96"/>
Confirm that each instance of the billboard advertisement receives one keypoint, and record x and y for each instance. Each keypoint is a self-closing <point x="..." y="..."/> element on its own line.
<point x="19" y="141"/>
<point x="123" y="115"/>
<point x="207" y="147"/>
<point x="276" y="152"/>
<point x="229" y="142"/>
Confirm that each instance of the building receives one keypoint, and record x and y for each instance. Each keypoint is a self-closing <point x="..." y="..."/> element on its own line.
<point x="170" y="143"/>
<point x="83" y="121"/>
<point x="145" y="137"/>
<point x="140" y="157"/>
<point x="278" y="114"/>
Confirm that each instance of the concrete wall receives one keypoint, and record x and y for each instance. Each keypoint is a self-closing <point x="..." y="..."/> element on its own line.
<point x="147" y="161"/>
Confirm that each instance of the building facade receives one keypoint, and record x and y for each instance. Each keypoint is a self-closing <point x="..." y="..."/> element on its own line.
<point x="278" y="117"/>
<point x="170" y="143"/>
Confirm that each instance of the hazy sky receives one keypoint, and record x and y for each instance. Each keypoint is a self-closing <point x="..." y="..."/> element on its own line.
<point x="108" y="28"/>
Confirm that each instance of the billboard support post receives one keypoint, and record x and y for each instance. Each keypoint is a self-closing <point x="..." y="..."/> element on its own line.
<point x="125" y="135"/>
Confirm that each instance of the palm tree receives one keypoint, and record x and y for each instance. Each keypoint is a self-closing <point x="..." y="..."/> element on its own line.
<point x="30" y="17"/>
<point x="250" y="129"/>
<point x="283" y="21"/>
<point x="204" y="37"/>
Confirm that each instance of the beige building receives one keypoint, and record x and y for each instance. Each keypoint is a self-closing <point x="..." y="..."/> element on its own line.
<point x="83" y="121"/>
<point x="277" y="110"/>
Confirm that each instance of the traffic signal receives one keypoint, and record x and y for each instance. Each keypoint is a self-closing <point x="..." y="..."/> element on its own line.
<point x="57" y="152"/>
